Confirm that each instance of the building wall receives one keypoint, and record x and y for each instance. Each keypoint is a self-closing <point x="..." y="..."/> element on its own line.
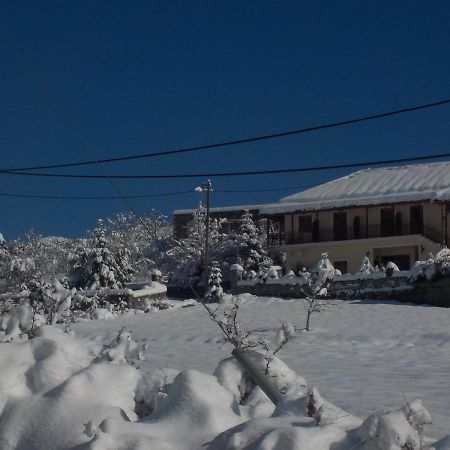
<point x="353" y="251"/>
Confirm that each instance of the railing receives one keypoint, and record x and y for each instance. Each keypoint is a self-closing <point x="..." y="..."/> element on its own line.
<point x="362" y="232"/>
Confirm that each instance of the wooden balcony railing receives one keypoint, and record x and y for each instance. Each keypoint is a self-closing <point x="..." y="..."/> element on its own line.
<point x="362" y="232"/>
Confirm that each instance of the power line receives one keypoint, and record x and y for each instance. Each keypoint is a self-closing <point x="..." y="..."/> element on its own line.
<point x="99" y="197"/>
<point x="231" y="142"/>
<point x="163" y="194"/>
<point x="233" y="174"/>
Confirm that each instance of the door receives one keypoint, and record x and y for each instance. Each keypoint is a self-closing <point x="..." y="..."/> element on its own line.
<point x="357" y="228"/>
<point x="399" y="224"/>
<point x="340" y="226"/>
<point x="304" y="229"/>
<point x="416" y="218"/>
<point x="387" y="222"/>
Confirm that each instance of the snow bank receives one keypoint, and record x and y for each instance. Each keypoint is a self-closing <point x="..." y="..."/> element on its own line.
<point x="61" y="392"/>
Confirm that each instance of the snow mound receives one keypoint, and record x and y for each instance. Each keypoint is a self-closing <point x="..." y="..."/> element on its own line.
<point x="196" y="409"/>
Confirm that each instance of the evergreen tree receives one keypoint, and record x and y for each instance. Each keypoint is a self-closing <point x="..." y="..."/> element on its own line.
<point x="214" y="293"/>
<point x="249" y="240"/>
<point x="98" y="267"/>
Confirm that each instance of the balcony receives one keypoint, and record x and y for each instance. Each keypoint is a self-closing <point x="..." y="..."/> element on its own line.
<point x="349" y="233"/>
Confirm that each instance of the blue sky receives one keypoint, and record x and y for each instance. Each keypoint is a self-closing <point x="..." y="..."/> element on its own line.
<point x="145" y="76"/>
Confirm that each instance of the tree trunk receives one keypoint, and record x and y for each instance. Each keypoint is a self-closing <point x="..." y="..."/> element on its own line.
<point x="307" y="319"/>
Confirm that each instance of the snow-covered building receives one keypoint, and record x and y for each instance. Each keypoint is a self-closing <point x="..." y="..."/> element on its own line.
<point x="398" y="214"/>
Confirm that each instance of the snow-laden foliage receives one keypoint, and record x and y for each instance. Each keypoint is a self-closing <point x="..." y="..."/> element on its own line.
<point x="402" y="428"/>
<point x="366" y="266"/>
<point x="214" y="293"/>
<point x="315" y="287"/>
<point x="183" y="261"/>
<point x="122" y="349"/>
<point x="434" y="267"/>
<point x="146" y="239"/>
<point x="251" y="250"/>
<point x="98" y="267"/>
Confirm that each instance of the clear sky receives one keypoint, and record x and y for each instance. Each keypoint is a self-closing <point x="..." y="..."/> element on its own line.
<point x="145" y="76"/>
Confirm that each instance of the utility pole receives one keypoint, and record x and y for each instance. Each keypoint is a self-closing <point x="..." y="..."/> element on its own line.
<point x="208" y="188"/>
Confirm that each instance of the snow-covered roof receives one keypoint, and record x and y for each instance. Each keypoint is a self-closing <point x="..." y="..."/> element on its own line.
<point x="370" y="187"/>
<point x="221" y="209"/>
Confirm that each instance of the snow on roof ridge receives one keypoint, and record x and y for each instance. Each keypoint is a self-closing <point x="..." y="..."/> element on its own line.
<point x="221" y="208"/>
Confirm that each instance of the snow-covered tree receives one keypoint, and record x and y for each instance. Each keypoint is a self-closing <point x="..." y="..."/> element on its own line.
<point x="184" y="259"/>
<point x="251" y="250"/>
<point x="214" y="293"/>
<point x="316" y="288"/>
<point x="97" y="267"/>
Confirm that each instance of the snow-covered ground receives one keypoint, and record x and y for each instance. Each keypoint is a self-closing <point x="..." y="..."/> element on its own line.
<point x="363" y="356"/>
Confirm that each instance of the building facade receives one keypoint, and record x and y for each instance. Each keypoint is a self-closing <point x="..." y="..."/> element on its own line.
<point x="398" y="214"/>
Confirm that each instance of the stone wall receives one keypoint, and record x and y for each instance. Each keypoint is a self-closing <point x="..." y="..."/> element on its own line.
<point x="436" y="293"/>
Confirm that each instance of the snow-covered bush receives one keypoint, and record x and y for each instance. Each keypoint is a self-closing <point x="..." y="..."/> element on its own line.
<point x="397" y="429"/>
<point x="434" y="267"/>
<point x="20" y="323"/>
<point x="366" y="266"/>
<point x="391" y="267"/>
<point x="442" y="262"/>
<point x="122" y="349"/>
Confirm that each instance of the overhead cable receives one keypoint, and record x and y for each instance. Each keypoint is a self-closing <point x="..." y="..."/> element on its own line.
<point x="230" y="142"/>
<point x="68" y="123"/>
<point x="234" y="174"/>
<point x="163" y="194"/>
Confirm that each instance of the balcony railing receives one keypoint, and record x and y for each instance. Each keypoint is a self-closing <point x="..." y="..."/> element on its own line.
<point x="362" y="232"/>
